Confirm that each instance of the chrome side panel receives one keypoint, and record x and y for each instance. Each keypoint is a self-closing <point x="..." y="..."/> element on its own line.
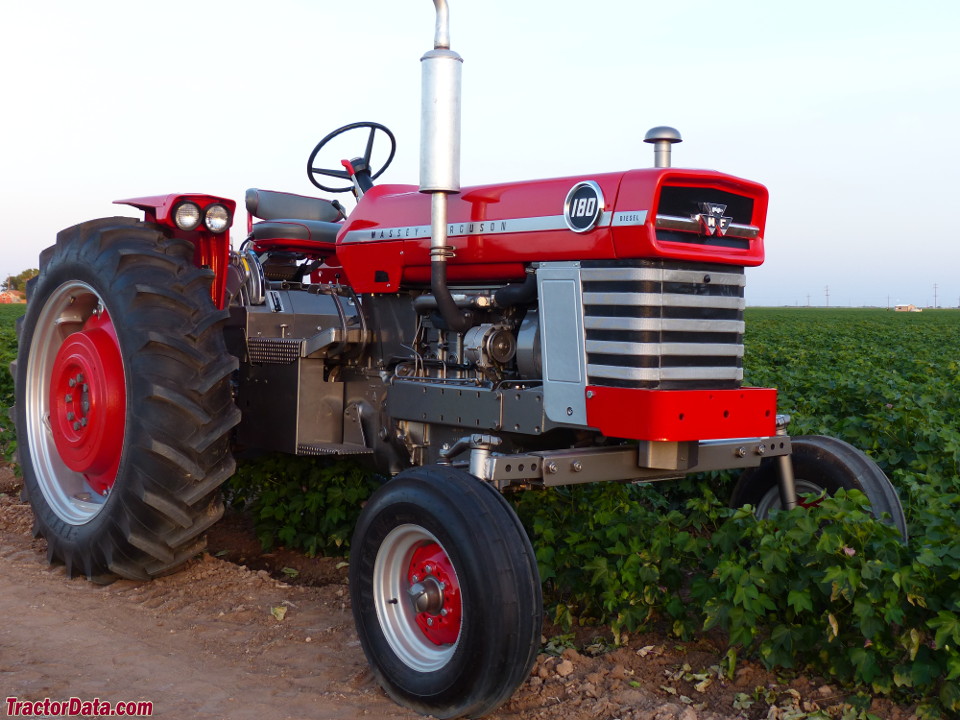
<point x="563" y="350"/>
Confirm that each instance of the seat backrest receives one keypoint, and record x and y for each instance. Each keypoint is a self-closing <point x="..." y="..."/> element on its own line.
<point x="271" y="205"/>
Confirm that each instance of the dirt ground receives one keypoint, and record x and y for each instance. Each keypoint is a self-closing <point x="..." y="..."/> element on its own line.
<point x="226" y="638"/>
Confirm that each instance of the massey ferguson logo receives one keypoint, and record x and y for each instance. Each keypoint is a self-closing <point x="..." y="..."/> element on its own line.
<point x="583" y="207"/>
<point x="712" y="221"/>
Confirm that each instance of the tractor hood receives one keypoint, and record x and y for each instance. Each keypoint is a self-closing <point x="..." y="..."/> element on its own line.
<point x="496" y="231"/>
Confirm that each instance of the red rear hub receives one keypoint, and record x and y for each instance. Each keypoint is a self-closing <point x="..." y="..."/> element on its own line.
<point x="431" y="575"/>
<point x="88" y="402"/>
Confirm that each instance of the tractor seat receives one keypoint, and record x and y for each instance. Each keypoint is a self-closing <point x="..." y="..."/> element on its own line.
<point x="293" y="222"/>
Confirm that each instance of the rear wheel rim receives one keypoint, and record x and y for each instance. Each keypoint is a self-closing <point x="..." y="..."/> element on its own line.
<point x="417" y="597"/>
<point x="76" y="402"/>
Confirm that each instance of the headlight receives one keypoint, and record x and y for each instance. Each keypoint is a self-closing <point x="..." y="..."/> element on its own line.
<point x="187" y="216"/>
<point x="216" y="218"/>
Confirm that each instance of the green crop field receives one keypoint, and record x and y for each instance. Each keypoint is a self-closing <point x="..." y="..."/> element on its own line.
<point x="828" y="589"/>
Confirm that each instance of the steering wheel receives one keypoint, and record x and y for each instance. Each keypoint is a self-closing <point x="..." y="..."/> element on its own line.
<point x="312" y="171"/>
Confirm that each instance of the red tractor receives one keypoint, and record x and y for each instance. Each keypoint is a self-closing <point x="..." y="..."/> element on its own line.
<point x="468" y="340"/>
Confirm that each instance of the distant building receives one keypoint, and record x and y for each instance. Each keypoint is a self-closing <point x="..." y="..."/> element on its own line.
<point x="10" y="296"/>
<point x="907" y="308"/>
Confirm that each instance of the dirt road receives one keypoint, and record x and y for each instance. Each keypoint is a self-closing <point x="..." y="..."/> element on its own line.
<point x="206" y="643"/>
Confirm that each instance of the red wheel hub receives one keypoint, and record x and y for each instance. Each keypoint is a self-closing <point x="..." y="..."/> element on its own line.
<point x="88" y="402"/>
<point x="431" y="575"/>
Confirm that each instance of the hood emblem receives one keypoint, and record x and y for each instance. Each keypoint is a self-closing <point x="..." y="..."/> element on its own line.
<point x="584" y="206"/>
<point x="712" y="220"/>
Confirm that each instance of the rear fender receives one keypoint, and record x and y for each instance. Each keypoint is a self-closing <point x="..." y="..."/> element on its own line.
<point x="211" y="250"/>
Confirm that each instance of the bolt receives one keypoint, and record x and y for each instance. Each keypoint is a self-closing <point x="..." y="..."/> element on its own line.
<point x="589" y="394"/>
<point x="429" y="621"/>
<point x="569" y="411"/>
<point x="576" y="466"/>
<point x="551" y="467"/>
<point x="83" y="422"/>
<point x="741" y="452"/>
<point x="72" y="382"/>
<point x="68" y="398"/>
<point x="416" y="578"/>
<point x="427" y="569"/>
<point x="443" y="612"/>
<point x="70" y="416"/>
<point x="761" y="449"/>
<point x="76" y="426"/>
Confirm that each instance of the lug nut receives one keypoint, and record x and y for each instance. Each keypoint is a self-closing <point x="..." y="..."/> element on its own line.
<point x="70" y="416"/>
<point x="76" y="426"/>
<point x="68" y="398"/>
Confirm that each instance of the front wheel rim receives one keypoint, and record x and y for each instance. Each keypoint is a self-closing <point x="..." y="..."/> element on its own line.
<point x="771" y="499"/>
<point x="75" y="402"/>
<point x="417" y="597"/>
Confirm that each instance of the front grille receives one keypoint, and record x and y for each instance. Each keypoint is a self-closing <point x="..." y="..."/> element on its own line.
<point x="663" y="325"/>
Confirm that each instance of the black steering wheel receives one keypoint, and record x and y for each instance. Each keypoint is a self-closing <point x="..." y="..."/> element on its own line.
<point x="342" y="173"/>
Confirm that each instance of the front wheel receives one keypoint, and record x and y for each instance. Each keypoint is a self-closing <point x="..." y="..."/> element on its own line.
<point x="445" y="593"/>
<point x="820" y="465"/>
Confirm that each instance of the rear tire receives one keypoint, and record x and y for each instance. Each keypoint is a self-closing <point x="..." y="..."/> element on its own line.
<point x="123" y="404"/>
<point x="439" y="536"/>
<point x="821" y="464"/>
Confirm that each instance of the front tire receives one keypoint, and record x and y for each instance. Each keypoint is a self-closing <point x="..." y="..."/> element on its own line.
<point x="123" y="405"/>
<point x="821" y="465"/>
<point x="445" y="593"/>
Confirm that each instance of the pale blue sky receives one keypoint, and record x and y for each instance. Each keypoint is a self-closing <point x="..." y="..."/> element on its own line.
<point x="849" y="112"/>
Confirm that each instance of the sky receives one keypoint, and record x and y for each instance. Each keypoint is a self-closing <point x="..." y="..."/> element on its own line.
<point x="848" y="111"/>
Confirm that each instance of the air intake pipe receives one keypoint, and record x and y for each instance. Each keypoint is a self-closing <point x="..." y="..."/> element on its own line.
<point x="662" y="137"/>
<point x="440" y="157"/>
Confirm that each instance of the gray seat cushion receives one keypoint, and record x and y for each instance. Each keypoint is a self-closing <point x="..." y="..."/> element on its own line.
<point x="270" y="205"/>
<point x="314" y="231"/>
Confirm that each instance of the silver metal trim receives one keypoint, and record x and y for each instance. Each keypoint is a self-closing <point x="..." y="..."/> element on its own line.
<point x="663" y="275"/>
<point x="664" y="300"/>
<point x="624" y="218"/>
<point x="617" y="372"/>
<point x="613" y="347"/>
<point x="664" y="325"/>
<point x="693" y="225"/>
<point x="463" y="229"/>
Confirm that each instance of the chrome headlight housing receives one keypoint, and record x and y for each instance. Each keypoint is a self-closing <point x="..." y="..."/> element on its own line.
<point x="216" y="218"/>
<point x="187" y="216"/>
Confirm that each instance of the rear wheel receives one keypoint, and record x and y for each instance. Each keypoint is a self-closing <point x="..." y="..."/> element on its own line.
<point x="820" y="465"/>
<point x="123" y="403"/>
<point x="445" y="593"/>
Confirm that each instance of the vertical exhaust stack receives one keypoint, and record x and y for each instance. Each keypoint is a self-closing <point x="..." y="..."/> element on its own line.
<point x="662" y="138"/>
<point x="440" y="156"/>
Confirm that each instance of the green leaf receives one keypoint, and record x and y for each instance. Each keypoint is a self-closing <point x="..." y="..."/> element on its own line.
<point x="800" y="600"/>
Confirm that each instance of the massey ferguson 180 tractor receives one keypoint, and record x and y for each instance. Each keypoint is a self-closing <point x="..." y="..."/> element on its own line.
<point x="468" y="340"/>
